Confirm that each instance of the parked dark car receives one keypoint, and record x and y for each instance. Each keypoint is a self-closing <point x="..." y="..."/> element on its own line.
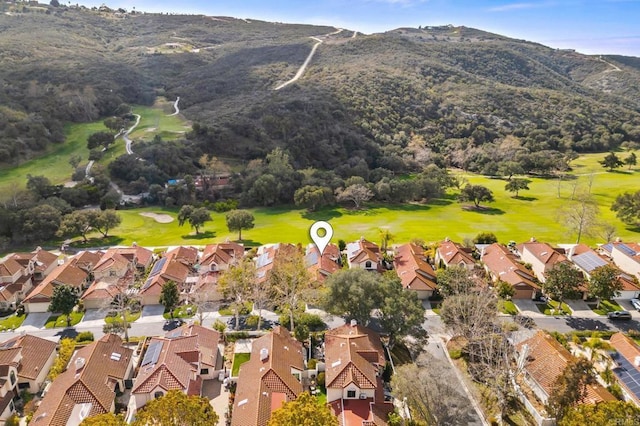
<point x="619" y="315"/>
<point x="171" y="324"/>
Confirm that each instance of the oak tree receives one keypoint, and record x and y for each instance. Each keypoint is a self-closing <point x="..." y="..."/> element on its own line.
<point x="237" y="220"/>
<point x="303" y="411"/>
<point x="177" y="409"/>
<point x="169" y="296"/>
<point x="476" y="193"/>
<point x="63" y="300"/>
<point x="604" y="283"/>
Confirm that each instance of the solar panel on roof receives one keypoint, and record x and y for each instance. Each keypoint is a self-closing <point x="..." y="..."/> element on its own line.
<point x="312" y="258"/>
<point x="8" y="345"/>
<point x="607" y="247"/>
<point x="628" y="374"/>
<point x="626" y="250"/>
<point x="153" y="353"/>
<point x="589" y="261"/>
<point x="158" y="267"/>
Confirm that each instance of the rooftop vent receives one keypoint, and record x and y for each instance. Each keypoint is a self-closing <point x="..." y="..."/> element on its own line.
<point x="264" y="354"/>
<point x="79" y="363"/>
<point x="115" y="356"/>
<point x="244" y="401"/>
<point x="354" y="323"/>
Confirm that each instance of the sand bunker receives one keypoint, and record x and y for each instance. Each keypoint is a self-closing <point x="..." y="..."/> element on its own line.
<point x="158" y="217"/>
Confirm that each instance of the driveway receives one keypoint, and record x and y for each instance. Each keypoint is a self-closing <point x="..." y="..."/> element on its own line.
<point x="151" y="313"/>
<point x="528" y="307"/>
<point x="581" y="309"/>
<point x="93" y="317"/>
<point x="34" y="321"/>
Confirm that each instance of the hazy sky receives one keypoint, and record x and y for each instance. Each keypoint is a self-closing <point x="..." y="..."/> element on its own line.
<point x="589" y="26"/>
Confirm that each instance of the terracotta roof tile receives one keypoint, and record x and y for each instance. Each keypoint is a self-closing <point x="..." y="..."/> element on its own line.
<point x="259" y="380"/>
<point x="414" y="272"/>
<point x="90" y="379"/>
<point x="505" y="266"/>
<point x="547" y="359"/>
<point x="454" y="253"/>
<point x="34" y="353"/>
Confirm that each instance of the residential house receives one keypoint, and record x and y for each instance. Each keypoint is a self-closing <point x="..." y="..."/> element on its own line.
<point x="15" y="282"/>
<point x="19" y="272"/>
<point x="180" y="360"/>
<point x="414" y="271"/>
<point x="113" y="274"/>
<point x="625" y="255"/>
<point x="8" y="382"/>
<point x="39" y="262"/>
<point x="88" y="386"/>
<point x="322" y="266"/>
<point x="541" y="256"/>
<point x="365" y="255"/>
<point x="354" y="361"/>
<point x="176" y="265"/>
<point x="503" y="265"/>
<point x="271" y="377"/>
<point x="544" y="360"/>
<point x="215" y="259"/>
<point x="141" y="257"/>
<point x="449" y="253"/>
<point x="266" y="256"/>
<point x="75" y="273"/>
<point x="587" y="260"/>
<point x="33" y="357"/>
<point x="627" y="359"/>
<point x="218" y="257"/>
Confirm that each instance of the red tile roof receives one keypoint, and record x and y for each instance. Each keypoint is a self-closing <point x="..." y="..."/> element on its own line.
<point x="364" y="250"/>
<point x="505" y="266"/>
<point x="547" y="359"/>
<point x="90" y="379"/>
<point x="542" y="251"/>
<point x="222" y="253"/>
<point x="324" y="265"/>
<point x="177" y="364"/>
<point x="352" y="354"/>
<point x="454" y="253"/>
<point x="414" y="272"/>
<point x="262" y="383"/>
<point x="68" y="273"/>
<point x="34" y="354"/>
<point x="9" y="267"/>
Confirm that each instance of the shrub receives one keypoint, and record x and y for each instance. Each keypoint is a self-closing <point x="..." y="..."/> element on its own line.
<point x="85" y="336"/>
<point x="252" y="321"/>
<point x="67" y="346"/>
<point x="312" y="363"/>
<point x="301" y="332"/>
<point x="455" y="353"/>
<point x="225" y="206"/>
<point x="232" y="337"/>
<point x="14" y="420"/>
<point x="321" y="379"/>
<point x="219" y="326"/>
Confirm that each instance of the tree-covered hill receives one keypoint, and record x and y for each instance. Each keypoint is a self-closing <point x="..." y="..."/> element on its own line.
<point x="397" y="100"/>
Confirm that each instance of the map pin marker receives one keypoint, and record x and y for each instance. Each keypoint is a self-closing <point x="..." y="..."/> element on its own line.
<point x="321" y="241"/>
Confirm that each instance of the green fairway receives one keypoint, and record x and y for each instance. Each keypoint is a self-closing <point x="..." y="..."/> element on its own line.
<point x="535" y="214"/>
<point x="55" y="163"/>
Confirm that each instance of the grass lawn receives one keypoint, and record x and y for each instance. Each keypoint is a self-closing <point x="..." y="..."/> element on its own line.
<point x="131" y="317"/>
<point x="322" y="395"/>
<point x="606" y="306"/>
<point x="181" y="312"/>
<point x="533" y="214"/>
<point x="551" y="308"/>
<point x="226" y="310"/>
<point x="238" y="360"/>
<point x="11" y="322"/>
<point x="56" y="321"/>
<point x="507" y="307"/>
<point x="54" y="163"/>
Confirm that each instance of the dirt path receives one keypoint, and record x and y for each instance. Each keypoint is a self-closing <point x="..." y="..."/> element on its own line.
<point x="175" y="106"/>
<point x="613" y="67"/>
<point x="303" y="68"/>
<point x="125" y="135"/>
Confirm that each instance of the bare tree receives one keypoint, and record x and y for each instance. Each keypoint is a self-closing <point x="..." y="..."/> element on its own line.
<point x="430" y="397"/>
<point x="580" y="216"/>
<point x="470" y="315"/>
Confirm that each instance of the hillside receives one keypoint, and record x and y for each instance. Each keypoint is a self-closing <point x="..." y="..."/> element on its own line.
<point x="397" y="100"/>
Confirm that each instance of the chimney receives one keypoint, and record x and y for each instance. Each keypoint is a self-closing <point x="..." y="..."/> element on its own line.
<point x="533" y="239"/>
<point x="636" y="362"/>
<point x="354" y="323"/>
<point x="264" y="354"/>
<point x="572" y="251"/>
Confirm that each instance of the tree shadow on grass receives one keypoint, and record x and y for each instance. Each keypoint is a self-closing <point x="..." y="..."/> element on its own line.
<point x="375" y="209"/>
<point x="632" y="228"/>
<point x="621" y="172"/>
<point x="325" y="214"/>
<point x="111" y="240"/>
<point x="249" y="243"/>
<point x="522" y="198"/>
<point x="440" y="202"/>
<point x="492" y="211"/>
<point x="201" y="236"/>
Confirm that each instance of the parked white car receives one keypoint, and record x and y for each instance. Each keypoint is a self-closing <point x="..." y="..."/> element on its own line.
<point x="636" y="303"/>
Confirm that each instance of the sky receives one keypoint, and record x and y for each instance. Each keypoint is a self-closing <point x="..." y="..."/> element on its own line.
<point x="588" y="26"/>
